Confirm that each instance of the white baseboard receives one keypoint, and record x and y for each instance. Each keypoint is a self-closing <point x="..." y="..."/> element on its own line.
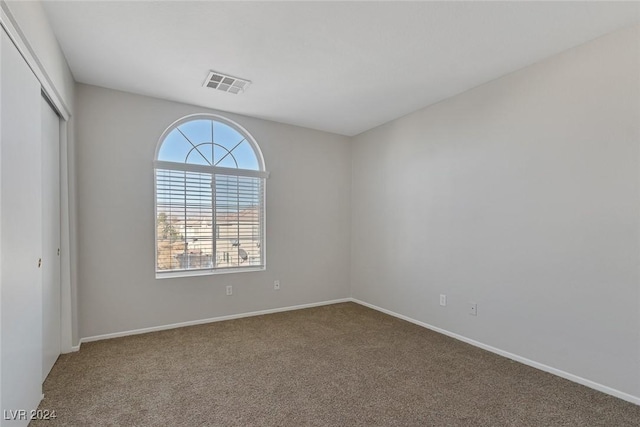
<point x="524" y="360"/>
<point x="210" y="320"/>
<point x="69" y="349"/>
<point x="571" y="377"/>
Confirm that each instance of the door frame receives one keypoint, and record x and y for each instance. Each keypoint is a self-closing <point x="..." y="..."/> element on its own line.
<point x="48" y="257"/>
<point x="69" y="340"/>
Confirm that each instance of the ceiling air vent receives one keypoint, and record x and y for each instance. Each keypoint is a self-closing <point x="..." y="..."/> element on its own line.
<point x="226" y="83"/>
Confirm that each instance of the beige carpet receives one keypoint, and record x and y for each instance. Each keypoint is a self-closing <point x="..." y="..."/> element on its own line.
<point x="339" y="365"/>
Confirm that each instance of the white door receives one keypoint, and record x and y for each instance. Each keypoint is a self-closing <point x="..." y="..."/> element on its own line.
<point x="50" y="237"/>
<point x="20" y="234"/>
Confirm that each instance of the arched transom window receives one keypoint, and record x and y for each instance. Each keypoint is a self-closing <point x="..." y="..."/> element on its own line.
<point x="209" y="193"/>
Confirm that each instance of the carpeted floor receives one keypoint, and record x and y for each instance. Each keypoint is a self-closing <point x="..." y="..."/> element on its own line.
<point x="338" y="365"/>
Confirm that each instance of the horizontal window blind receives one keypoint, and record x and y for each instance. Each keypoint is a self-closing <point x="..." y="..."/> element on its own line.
<point x="208" y="221"/>
<point x="238" y="216"/>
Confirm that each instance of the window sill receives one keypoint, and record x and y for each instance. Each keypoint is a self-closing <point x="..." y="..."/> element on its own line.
<point x="195" y="273"/>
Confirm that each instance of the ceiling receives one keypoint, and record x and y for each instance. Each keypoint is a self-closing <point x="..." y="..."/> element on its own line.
<point x="342" y="67"/>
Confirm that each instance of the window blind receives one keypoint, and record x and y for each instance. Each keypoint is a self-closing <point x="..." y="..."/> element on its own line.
<point x="208" y="220"/>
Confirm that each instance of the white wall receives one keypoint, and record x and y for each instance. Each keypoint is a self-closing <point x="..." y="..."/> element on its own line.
<point x="34" y="26"/>
<point x="521" y="195"/>
<point x="308" y="219"/>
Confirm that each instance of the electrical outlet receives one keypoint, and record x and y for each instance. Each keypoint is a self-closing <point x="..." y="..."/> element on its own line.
<point x="276" y="285"/>
<point x="443" y="300"/>
<point x="229" y="290"/>
<point x="473" y="309"/>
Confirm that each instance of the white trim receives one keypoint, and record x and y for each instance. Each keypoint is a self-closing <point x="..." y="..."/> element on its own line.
<point x="571" y="377"/>
<point x="173" y="274"/>
<point x="215" y="117"/>
<point x="189" y="167"/>
<point x="210" y="320"/>
<point x="566" y="375"/>
<point x="213" y="170"/>
<point x="18" y="38"/>
<point x="66" y="306"/>
<point x="72" y="349"/>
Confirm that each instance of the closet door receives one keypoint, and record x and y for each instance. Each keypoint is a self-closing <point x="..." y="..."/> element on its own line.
<point x="20" y="234"/>
<point x="50" y="237"/>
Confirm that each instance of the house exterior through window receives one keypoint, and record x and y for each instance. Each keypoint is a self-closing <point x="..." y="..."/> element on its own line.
<point x="209" y="196"/>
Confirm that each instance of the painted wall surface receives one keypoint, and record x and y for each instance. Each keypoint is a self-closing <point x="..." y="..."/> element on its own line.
<point x="521" y="195"/>
<point x="33" y="23"/>
<point x="307" y="211"/>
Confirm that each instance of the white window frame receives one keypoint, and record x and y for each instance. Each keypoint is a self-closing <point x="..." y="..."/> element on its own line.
<point x="180" y="166"/>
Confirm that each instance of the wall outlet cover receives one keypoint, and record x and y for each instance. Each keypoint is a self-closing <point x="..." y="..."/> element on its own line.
<point x="473" y="308"/>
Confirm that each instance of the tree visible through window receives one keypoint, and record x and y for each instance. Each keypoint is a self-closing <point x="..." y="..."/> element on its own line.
<point x="210" y="179"/>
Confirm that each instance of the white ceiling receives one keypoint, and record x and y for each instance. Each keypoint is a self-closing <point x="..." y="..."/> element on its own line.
<point x="342" y="67"/>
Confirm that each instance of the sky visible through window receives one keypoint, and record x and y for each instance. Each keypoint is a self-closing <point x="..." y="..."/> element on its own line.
<point x="191" y="143"/>
<point x="208" y="218"/>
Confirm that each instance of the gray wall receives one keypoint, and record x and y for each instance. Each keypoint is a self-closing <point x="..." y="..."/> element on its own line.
<point x="33" y="23"/>
<point x="521" y="195"/>
<point x="308" y="219"/>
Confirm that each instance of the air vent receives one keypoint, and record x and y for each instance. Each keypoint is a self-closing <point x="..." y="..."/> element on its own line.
<point x="226" y="83"/>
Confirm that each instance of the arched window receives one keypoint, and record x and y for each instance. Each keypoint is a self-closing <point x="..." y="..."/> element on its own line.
<point x="209" y="194"/>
